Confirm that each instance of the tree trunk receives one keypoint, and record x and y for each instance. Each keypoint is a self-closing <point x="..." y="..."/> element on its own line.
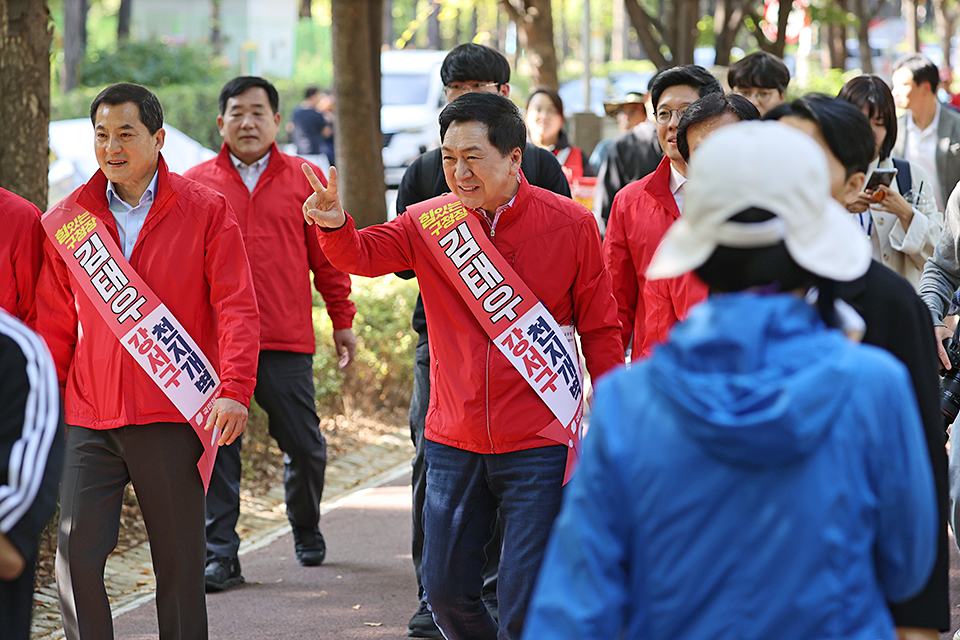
<point x="863" y="35"/>
<point x="306" y="8"/>
<point x="534" y="22"/>
<point x="686" y="31"/>
<point x="474" y="25"/>
<point x="123" y="21"/>
<point x="836" y="45"/>
<point x="433" y="26"/>
<point x="563" y="44"/>
<point x="649" y="32"/>
<point x="25" y="109"/>
<point x="216" y="38"/>
<point x="389" y="38"/>
<point x="618" y="35"/>
<point x="909" y="9"/>
<point x="946" y="27"/>
<point x="356" y="34"/>
<point x="74" y="40"/>
<point x="782" y="18"/>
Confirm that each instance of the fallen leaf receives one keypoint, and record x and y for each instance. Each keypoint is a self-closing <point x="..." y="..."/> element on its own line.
<point x="356" y="606"/>
<point x="373" y="624"/>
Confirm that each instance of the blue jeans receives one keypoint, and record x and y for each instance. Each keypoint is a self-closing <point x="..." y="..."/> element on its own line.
<point x="463" y="492"/>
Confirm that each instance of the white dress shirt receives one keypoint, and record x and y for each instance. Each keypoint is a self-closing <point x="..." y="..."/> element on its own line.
<point x="920" y="147"/>
<point x="130" y="219"/>
<point x="250" y="173"/>
<point x="677" y="180"/>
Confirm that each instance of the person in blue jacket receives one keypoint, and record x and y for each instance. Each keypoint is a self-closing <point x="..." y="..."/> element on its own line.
<point x="761" y="475"/>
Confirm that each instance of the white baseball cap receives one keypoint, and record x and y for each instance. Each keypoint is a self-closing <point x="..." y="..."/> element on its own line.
<point x="770" y="166"/>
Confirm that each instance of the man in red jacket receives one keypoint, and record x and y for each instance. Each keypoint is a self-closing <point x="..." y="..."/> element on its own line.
<point x="182" y="240"/>
<point x="643" y="211"/>
<point x="21" y="253"/>
<point x="266" y="189"/>
<point x="487" y="424"/>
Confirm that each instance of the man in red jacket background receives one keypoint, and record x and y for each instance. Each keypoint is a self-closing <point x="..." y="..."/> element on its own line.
<point x="266" y="190"/>
<point x="642" y="212"/>
<point x="484" y="445"/>
<point x="182" y="239"/>
<point x="21" y="253"/>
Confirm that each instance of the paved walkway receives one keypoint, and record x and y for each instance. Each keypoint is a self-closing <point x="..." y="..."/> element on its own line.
<point x="263" y="524"/>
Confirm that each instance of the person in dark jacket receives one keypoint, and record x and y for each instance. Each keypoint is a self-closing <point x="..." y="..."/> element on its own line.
<point x="31" y="458"/>
<point x="467" y="68"/>
<point x="896" y="319"/>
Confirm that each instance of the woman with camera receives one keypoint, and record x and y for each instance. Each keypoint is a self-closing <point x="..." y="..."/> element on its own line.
<point x="897" y="209"/>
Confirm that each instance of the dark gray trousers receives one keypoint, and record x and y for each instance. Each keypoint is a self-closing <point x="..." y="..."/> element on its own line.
<point x="161" y="461"/>
<point x="285" y="391"/>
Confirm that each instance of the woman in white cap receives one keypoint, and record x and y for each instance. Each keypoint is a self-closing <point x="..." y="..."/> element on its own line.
<point x="760" y="475"/>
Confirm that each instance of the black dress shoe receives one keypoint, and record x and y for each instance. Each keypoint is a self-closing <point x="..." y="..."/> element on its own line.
<point x="310" y="546"/>
<point x="221" y="574"/>
<point x="422" y="625"/>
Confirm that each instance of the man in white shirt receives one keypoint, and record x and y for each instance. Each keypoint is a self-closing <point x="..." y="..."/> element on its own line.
<point x="928" y="134"/>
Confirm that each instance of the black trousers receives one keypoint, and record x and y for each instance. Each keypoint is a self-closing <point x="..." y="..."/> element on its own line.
<point x="161" y="461"/>
<point x="16" y="603"/>
<point x="285" y="391"/>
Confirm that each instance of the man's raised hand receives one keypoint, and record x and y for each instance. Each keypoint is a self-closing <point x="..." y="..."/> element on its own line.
<point x="323" y="206"/>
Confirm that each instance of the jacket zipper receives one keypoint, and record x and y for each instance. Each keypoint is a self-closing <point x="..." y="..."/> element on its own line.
<point x="487" y="399"/>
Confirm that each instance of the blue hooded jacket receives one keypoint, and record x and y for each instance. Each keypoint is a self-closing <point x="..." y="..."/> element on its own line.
<point x="759" y="476"/>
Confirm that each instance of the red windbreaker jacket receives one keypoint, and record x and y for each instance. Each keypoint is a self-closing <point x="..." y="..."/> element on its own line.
<point x="641" y="214"/>
<point x="478" y="401"/>
<point x="190" y="252"/>
<point x="281" y="248"/>
<point x="21" y="254"/>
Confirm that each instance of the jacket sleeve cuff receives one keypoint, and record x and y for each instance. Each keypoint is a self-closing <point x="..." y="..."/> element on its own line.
<point x="234" y="394"/>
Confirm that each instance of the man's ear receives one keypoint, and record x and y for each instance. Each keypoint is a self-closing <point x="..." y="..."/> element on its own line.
<point x="505" y="90"/>
<point x="853" y="186"/>
<point x="516" y="159"/>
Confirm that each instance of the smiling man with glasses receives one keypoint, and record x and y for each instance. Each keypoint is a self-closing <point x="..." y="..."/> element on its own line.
<point x="642" y="212"/>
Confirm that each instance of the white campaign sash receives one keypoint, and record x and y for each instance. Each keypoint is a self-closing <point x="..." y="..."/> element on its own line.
<point x="519" y="325"/>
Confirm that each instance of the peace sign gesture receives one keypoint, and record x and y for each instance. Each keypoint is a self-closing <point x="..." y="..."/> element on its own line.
<point x="323" y="206"/>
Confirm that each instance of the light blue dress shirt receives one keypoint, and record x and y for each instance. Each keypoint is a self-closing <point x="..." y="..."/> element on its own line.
<point x="130" y="219"/>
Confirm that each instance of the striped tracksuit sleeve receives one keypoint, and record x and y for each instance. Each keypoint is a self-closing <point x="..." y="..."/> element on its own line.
<point x="31" y="434"/>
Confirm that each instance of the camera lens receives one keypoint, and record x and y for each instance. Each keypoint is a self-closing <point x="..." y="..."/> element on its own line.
<point x="950" y="394"/>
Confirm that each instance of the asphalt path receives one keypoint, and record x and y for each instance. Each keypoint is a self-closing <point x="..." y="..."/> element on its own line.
<point x="366" y="588"/>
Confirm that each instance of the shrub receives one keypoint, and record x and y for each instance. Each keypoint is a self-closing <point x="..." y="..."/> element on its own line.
<point x="152" y="63"/>
<point x="381" y="377"/>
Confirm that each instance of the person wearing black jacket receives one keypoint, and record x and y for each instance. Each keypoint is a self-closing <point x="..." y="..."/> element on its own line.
<point x="896" y="320"/>
<point x="467" y="68"/>
<point x="31" y="459"/>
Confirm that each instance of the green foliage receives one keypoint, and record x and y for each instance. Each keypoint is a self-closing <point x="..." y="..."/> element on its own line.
<point x="381" y="377"/>
<point x="152" y="63"/>
<point x="829" y="82"/>
<point x="190" y="108"/>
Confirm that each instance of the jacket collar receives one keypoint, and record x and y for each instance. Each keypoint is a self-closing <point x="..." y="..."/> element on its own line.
<point x="510" y="213"/>
<point x="275" y="165"/>
<point x="658" y="186"/>
<point x="93" y="198"/>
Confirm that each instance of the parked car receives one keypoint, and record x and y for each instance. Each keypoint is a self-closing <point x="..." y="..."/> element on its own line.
<point x="73" y="160"/>
<point x="411" y="94"/>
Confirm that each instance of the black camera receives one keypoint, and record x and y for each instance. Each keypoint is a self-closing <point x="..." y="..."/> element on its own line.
<point x="950" y="384"/>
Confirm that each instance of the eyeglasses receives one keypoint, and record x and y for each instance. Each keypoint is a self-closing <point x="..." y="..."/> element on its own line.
<point x="756" y="93"/>
<point x="664" y="116"/>
<point x="459" y="88"/>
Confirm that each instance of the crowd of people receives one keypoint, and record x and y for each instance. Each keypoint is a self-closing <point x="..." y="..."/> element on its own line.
<point x="777" y="276"/>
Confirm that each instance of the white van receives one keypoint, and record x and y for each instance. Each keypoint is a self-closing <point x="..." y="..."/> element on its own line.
<point x="411" y="100"/>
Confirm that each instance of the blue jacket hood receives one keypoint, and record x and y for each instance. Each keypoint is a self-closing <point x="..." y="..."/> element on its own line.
<point x="754" y="377"/>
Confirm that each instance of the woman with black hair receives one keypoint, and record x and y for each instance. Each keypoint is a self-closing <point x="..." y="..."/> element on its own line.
<point x="901" y="219"/>
<point x="545" y="120"/>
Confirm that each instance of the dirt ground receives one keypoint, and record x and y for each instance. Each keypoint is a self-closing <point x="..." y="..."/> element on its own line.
<point x="262" y="470"/>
